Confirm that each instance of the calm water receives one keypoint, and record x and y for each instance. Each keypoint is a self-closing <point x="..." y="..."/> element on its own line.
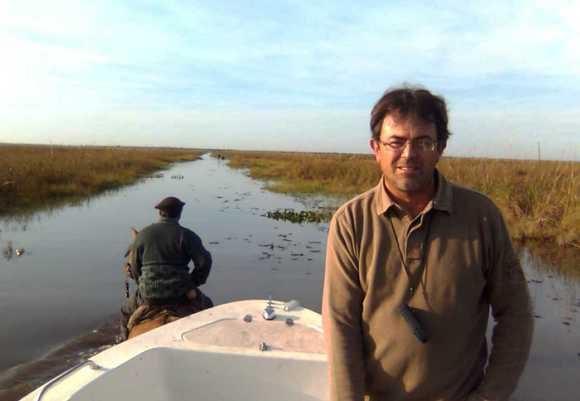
<point x="68" y="282"/>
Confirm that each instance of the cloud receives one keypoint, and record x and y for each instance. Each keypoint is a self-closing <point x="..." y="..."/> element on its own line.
<point x="324" y="50"/>
<point x="87" y="59"/>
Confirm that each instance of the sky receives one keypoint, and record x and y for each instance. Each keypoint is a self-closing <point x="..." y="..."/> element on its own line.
<point x="288" y="75"/>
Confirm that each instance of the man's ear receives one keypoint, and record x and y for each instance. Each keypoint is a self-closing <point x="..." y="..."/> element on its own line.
<point x="375" y="147"/>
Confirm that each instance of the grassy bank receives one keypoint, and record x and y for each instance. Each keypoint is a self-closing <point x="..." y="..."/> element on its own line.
<point x="540" y="200"/>
<point x="34" y="177"/>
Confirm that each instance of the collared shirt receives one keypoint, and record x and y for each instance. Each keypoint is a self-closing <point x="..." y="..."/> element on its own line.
<point x="461" y="249"/>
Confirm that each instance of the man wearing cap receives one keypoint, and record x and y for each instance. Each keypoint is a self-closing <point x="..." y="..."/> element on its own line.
<point x="159" y="259"/>
<point x="413" y="268"/>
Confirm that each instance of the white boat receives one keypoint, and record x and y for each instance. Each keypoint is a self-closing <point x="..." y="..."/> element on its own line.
<point x="229" y="352"/>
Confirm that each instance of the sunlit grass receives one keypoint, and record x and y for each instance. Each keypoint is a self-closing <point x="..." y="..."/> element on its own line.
<point x="539" y="200"/>
<point x="35" y="177"/>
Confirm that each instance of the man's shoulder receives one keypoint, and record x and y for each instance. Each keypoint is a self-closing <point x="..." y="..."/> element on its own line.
<point x="151" y="227"/>
<point x="156" y="228"/>
<point x="465" y="198"/>
<point x="359" y="205"/>
<point x="145" y="230"/>
<point x="190" y="233"/>
<point x="144" y="235"/>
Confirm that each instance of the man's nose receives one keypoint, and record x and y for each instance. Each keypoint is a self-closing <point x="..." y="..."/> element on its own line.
<point x="408" y="150"/>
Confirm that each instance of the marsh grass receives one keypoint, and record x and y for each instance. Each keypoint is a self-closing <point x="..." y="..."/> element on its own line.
<point x="539" y="200"/>
<point x="34" y="177"/>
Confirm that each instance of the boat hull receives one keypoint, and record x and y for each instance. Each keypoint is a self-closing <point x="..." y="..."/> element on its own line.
<point x="228" y="352"/>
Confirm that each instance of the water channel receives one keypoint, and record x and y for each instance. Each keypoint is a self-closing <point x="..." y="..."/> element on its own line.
<point x="68" y="281"/>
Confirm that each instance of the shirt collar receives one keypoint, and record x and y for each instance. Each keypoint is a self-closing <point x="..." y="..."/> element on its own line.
<point x="384" y="202"/>
<point x="443" y="199"/>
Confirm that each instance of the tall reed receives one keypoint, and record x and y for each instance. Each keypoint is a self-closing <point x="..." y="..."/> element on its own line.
<point x="37" y="176"/>
<point x="539" y="200"/>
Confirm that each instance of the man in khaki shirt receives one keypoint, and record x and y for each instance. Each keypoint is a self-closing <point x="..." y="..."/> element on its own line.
<point x="412" y="269"/>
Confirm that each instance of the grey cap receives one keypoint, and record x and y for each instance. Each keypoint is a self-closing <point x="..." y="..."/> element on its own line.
<point x="170" y="203"/>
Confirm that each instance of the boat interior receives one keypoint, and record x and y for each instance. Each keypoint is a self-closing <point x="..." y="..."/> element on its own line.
<point x="168" y="374"/>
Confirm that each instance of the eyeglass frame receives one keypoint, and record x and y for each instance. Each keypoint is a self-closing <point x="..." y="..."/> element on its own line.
<point x="417" y="143"/>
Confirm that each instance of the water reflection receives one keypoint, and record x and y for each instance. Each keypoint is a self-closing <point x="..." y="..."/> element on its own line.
<point x="8" y="251"/>
<point x="553" y="259"/>
<point x="552" y="370"/>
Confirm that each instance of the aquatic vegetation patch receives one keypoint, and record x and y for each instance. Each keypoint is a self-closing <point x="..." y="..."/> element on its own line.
<point x="303" y="216"/>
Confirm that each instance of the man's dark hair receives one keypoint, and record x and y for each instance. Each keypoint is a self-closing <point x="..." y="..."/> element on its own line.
<point x="172" y="213"/>
<point x="408" y="102"/>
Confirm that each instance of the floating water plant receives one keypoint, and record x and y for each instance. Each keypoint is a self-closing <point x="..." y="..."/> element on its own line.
<point x="303" y="216"/>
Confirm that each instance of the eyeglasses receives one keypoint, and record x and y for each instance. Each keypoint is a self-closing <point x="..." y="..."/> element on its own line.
<point x="420" y="144"/>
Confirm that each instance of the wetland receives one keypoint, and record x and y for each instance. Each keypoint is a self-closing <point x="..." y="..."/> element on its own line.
<point x="60" y="298"/>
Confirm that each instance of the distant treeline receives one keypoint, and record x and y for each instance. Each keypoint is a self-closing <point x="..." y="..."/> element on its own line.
<point x="539" y="200"/>
<point x="34" y="177"/>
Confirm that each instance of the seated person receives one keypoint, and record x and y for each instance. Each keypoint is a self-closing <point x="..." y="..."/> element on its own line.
<point x="158" y="262"/>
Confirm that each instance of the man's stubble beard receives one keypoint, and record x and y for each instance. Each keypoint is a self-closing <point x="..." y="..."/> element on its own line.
<point x="421" y="182"/>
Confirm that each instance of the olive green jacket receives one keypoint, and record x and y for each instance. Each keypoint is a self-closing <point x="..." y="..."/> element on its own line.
<point x="160" y="256"/>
